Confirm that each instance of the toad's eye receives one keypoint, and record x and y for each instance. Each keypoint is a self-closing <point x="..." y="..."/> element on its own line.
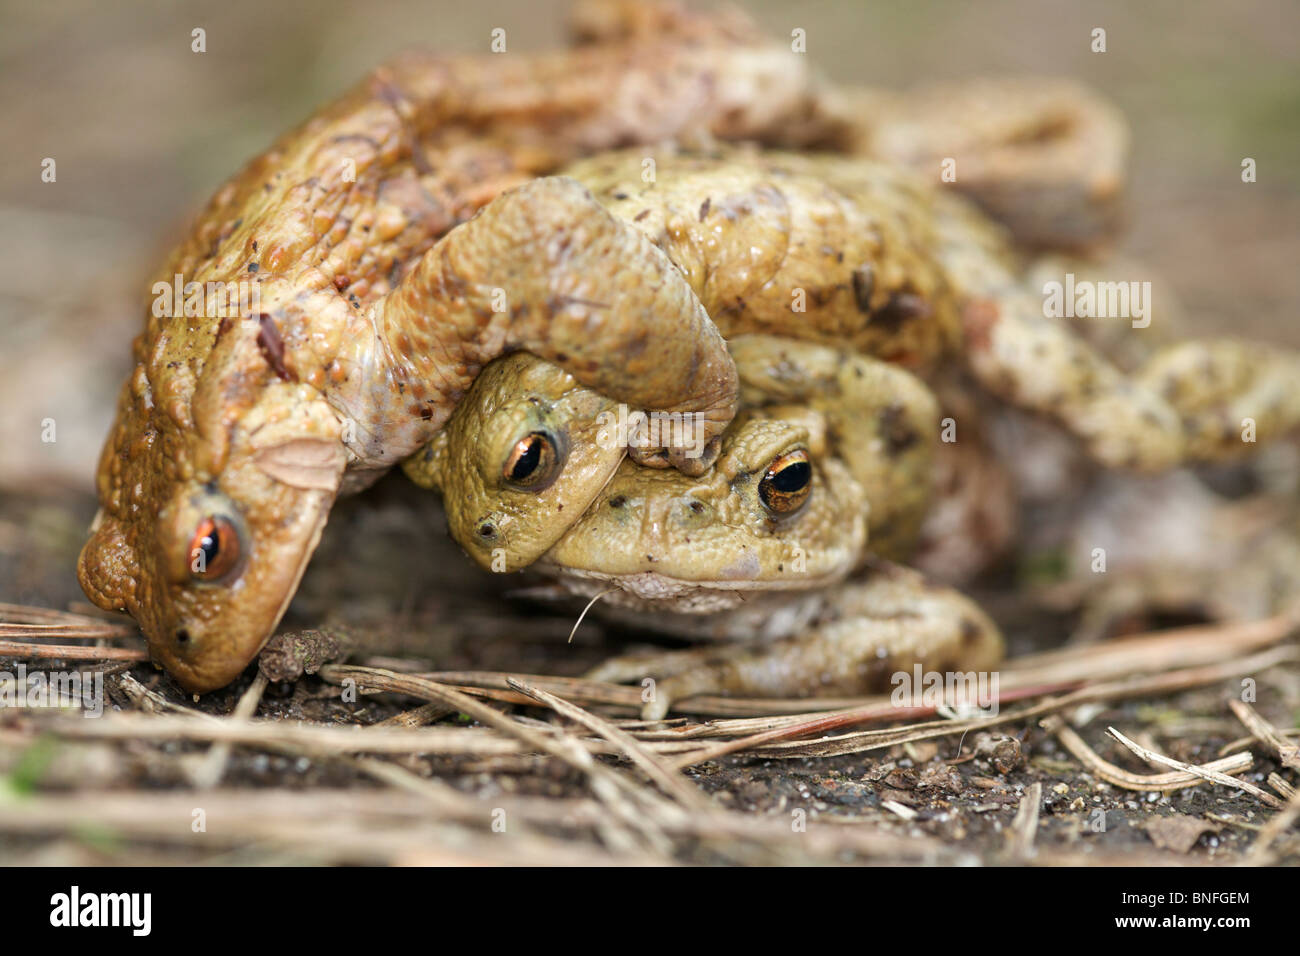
<point x="787" y="483"/>
<point x="214" y="549"/>
<point x="533" y="463"/>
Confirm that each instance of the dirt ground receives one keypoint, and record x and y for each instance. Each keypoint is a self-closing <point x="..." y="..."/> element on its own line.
<point x="402" y="593"/>
<point x="143" y="130"/>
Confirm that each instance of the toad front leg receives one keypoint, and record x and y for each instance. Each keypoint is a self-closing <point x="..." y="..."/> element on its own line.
<point x="543" y="269"/>
<point x="880" y="624"/>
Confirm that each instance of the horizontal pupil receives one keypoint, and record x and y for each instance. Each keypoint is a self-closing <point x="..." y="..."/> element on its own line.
<point x="792" y="477"/>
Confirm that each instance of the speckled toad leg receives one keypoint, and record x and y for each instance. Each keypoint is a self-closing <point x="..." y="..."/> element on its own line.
<point x="847" y="251"/>
<point x="878" y="624"/>
<point x="1198" y="400"/>
<point x="1041" y="155"/>
<point x="544" y="269"/>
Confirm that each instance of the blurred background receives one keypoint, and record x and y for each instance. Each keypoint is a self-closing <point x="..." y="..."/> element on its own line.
<point x="143" y="130"/>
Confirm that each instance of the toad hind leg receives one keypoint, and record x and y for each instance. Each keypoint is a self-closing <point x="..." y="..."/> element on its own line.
<point x="875" y="626"/>
<point x="1199" y="400"/>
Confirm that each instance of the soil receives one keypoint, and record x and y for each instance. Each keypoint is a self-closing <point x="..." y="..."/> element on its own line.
<point x="398" y="589"/>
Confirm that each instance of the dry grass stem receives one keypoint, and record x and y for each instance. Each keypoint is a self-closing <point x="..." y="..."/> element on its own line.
<point x="1205" y="772"/>
<point x="1267" y="734"/>
<point x="1119" y="777"/>
<point x="525" y="725"/>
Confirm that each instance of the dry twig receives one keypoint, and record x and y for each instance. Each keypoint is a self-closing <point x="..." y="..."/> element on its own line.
<point x="1205" y="771"/>
<point x="1119" y="777"/>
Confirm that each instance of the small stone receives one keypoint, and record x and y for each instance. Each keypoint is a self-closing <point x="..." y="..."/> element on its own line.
<point x="289" y="655"/>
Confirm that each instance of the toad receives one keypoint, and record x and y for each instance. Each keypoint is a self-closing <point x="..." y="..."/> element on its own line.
<point x="378" y="299"/>
<point x="850" y="252"/>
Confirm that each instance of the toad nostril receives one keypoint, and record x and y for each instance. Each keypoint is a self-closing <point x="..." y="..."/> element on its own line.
<point x="183" y="637"/>
<point x="617" y="501"/>
<point x="697" y="507"/>
<point x="487" y="530"/>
